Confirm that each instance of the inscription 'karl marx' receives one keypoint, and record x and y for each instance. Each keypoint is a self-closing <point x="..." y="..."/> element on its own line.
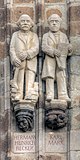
<point x="56" y="140"/>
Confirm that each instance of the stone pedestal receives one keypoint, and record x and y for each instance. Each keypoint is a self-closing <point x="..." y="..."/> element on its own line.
<point x="22" y="146"/>
<point x="55" y="129"/>
<point x="23" y="143"/>
<point x="56" y="103"/>
<point x="23" y="138"/>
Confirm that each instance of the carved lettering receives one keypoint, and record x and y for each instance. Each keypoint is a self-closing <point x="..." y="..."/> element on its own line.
<point x="24" y="148"/>
<point x="56" y="142"/>
<point x="23" y="143"/>
<point x="24" y="137"/>
<point x="56" y="139"/>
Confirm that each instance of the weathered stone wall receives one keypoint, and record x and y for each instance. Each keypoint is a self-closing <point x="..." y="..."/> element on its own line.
<point x="74" y="17"/>
<point x="62" y="144"/>
<point x="4" y="84"/>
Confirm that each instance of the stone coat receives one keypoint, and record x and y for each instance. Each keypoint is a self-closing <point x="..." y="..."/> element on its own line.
<point x="48" y="45"/>
<point x="20" y="45"/>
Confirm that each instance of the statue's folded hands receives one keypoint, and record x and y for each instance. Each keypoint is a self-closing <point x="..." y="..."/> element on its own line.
<point x="57" y="52"/>
<point x="17" y="62"/>
<point x="23" y="55"/>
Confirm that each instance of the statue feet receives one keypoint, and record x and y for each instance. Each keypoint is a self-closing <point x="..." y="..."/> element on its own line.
<point x="18" y="97"/>
<point x="28" y="96"/>
<point x="32" y="93"/>
<point x="49" y="96"/>
<point x="66" y="98"/>
<point x="31" y="96"/>
<point x="13" y="84"/>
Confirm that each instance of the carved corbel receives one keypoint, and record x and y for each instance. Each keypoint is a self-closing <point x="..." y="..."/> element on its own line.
<point x="56" y="114"/>
<point x="24" y="114"/>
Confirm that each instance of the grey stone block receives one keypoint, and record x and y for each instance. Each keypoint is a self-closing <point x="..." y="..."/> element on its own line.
<point x="1" y="70"/>
<point x="75" y="41"/>
<point x="7" y="84"/>
<point x="2" y="88"/>
<point x="23" y="143"/>
<point x="75" y="155"/>
<point x="56" y="142"/>
<point x="75" y="82"/>
<point x="6" y="66"/>
<point x="56" y="156"/>
<point x="75" y="98"/>
<point x="7" y="100"/>
<point x="75" y="118"/>
<point x="75" y="140"/>
<point x="75" y="65"/>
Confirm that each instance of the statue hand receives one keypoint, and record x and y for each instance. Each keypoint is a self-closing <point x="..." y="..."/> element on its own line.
<point x="57" y="52"/>
<point x="17" y="62"/>
<point x="23" y="55"/>
<point x="28" y="57"/>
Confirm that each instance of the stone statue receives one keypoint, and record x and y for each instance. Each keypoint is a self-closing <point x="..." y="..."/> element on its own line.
<point x="56" y="47"/>
<point x="24" y="48"/>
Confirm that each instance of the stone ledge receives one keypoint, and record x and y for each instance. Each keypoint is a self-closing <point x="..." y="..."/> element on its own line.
<point x="56" y="103"/>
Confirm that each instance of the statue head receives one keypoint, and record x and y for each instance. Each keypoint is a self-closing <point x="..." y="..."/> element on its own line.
<point x="25" y="22"/>
<point x="54" y="22"/>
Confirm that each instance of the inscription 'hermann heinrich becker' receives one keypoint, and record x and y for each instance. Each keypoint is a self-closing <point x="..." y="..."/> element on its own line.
<point x="22" y="143"/>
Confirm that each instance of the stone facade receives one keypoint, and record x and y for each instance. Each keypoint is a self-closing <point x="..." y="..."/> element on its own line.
<point x="41" y="143"/>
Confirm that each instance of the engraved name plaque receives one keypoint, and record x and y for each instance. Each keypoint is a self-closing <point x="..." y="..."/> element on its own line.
<point x="56" y="142"/>
<point x="23" y="142"/>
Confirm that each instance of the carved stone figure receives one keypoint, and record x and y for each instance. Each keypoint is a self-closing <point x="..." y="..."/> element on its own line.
<point x="24" y="48"/>
<point x="25" y="120"/>
<point x="55" y="118"/>
<point x="56" y="47"/>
